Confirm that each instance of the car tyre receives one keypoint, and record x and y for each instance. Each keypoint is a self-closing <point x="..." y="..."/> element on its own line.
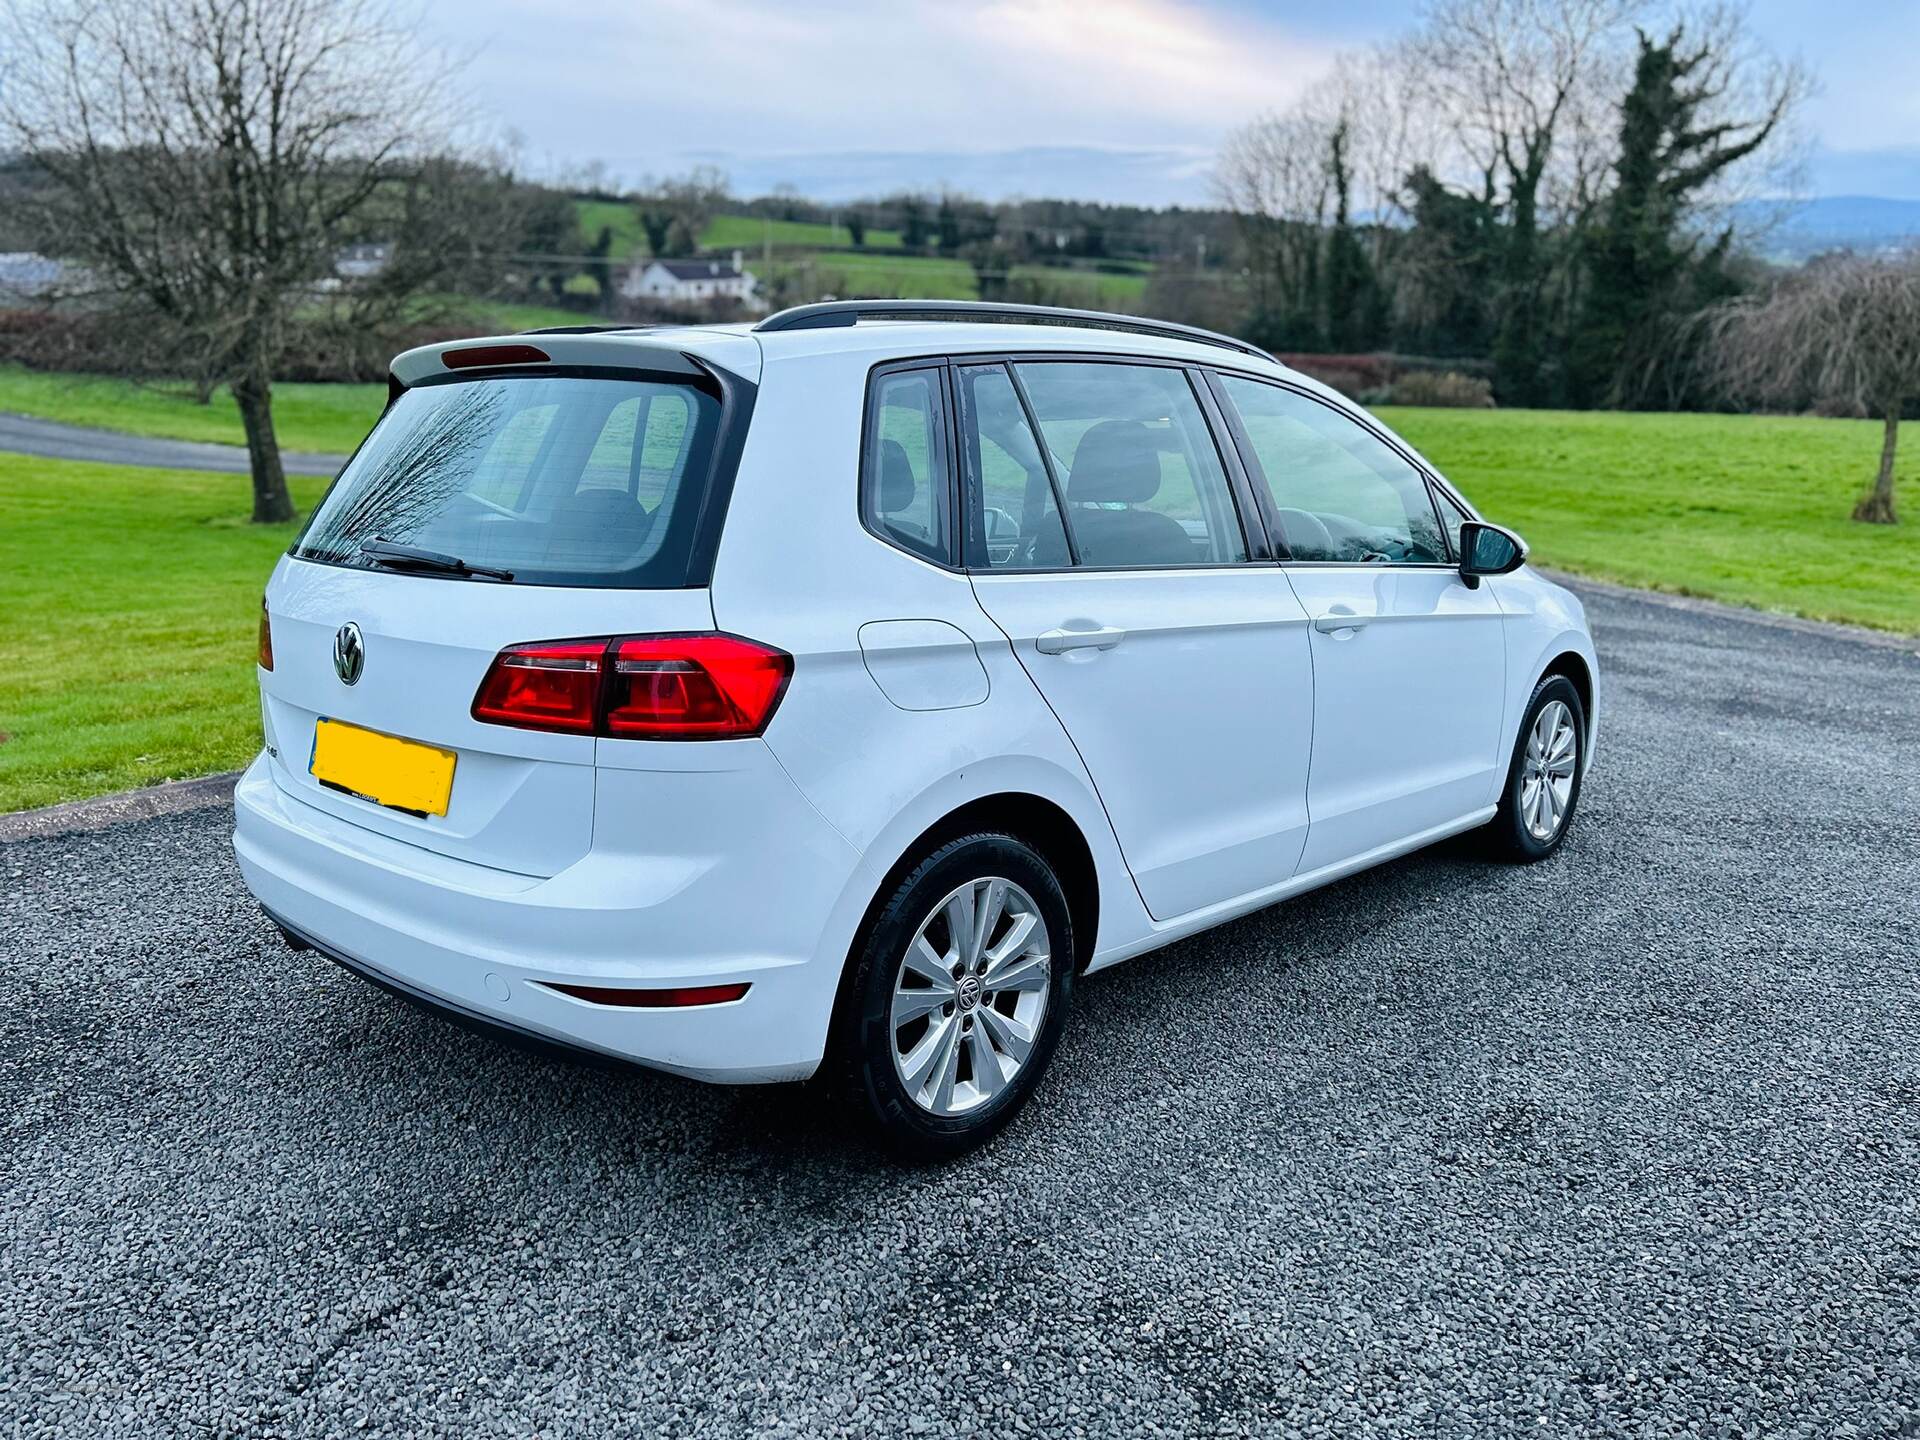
<point x="1544" y="777"/>
<point x="956" y="996"/>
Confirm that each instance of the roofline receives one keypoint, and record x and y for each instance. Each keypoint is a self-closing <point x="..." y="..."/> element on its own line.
<point x="838" y="314"/>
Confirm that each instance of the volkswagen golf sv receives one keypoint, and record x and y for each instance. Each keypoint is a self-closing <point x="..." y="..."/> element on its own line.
<point x="834" y="693"/>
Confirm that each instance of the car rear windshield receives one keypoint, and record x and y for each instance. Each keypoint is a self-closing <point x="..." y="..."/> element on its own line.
<point x="559" y="480"/>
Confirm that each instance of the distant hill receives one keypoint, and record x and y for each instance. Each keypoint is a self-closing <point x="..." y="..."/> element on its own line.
<point x="1794" y="230"/>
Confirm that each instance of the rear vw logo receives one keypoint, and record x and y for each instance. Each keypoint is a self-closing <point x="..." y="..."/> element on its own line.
<point x="349" y="653"/>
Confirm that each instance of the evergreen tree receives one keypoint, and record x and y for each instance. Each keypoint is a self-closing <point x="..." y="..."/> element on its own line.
<point x="1445" y="269"/>
<point x="913" y="222"/>
<point x="1351" y="307"/>
<point x="1644" y="273"/>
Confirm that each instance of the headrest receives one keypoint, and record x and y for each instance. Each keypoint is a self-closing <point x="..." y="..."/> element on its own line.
<point x="897" y="485"/>
<point x="1116" y="462"/>
<point x="1306" y="534"/>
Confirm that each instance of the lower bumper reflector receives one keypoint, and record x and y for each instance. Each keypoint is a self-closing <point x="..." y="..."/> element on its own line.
<point x="675" y="998"/>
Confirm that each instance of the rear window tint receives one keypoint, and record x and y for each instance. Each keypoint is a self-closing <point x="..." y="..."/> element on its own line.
<point x="561" y="480"/>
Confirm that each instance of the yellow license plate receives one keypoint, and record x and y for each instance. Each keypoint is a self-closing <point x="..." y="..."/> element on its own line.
<point x="383" y="768"/>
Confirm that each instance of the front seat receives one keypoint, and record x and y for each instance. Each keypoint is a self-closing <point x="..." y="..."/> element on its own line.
<point x="1118" y="463"/>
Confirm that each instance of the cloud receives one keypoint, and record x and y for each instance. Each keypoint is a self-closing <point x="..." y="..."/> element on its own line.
<point x="644" y="87"/>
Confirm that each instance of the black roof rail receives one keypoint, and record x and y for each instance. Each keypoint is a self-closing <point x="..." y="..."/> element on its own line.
<point x="835" y="314"/>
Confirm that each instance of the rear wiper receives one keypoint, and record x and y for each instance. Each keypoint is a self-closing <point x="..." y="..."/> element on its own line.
<point x="412" y="557"/>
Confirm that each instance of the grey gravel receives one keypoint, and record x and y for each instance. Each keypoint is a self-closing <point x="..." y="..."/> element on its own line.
<point x="1624" y="1144"/>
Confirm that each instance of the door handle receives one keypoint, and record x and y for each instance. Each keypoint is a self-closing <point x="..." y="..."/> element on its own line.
<point x="1336" y="620"/>
<point x="1058" y="642"/>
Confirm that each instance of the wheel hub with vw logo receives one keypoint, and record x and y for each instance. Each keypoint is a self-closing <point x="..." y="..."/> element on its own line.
<point x="970" y="996"/>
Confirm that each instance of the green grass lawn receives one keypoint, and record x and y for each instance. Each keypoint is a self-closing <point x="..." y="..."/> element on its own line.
<point x="1748" y="509"/>
<point x="132" y="596"/>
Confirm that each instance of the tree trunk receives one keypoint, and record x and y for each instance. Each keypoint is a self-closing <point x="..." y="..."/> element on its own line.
<point x="271" y="503"/>
<point x="1876" y="507"/>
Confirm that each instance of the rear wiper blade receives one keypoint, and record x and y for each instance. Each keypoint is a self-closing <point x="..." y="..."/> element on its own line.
<point x="412" y="557"/>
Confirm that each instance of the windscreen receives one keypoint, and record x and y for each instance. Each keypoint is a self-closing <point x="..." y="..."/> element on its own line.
<point x="556" y="480"/>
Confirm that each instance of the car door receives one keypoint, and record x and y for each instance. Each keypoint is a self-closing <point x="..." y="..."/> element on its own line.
<point x="1409" y="661"/>
<point x="1105" y="539"/>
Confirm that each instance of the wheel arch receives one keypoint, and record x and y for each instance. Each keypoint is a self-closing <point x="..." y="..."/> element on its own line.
<point x="1042" y="823"/>
<point x="1573" y="665"/>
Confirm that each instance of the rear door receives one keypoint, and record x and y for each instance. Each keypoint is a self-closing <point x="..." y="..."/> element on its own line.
<point x="588" y="492"/>
<point x="1104" y="538"/>
<point x="1409" y="662"/>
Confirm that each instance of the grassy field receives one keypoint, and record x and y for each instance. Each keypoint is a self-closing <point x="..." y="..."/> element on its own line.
<point x="750" y="233"/>
<point x="881" y="268"/>
<point x="723" y="232"/>
<point x="923" y="277"/>
<point x="1748" y="509"/>
<point x="132" y="595"/>
<point x="931" y="277"/>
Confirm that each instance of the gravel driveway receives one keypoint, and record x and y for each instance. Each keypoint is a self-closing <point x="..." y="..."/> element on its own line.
<point x="1623" y="1144"/>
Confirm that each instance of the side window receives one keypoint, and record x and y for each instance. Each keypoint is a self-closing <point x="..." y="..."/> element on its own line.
<point x="503" y="472"/>
<point x="1015" y="518"/>
<point x="646" y="472"/>
<point x="903" y="479"/>
<point x="1141" y="480"/>
<point x="1340" y="491"/>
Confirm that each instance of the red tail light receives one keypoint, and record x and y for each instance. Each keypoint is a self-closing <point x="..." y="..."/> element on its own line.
<point x="551" y="686"/>
<point x="690" y="687"/>
<point x="637" y="687"/>
<point x="266" y="637"/>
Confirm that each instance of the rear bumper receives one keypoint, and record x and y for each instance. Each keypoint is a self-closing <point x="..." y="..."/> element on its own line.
<point x="764" y="903"/>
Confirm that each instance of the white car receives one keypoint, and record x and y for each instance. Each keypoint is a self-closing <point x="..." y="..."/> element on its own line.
<point x="835" y="692"/>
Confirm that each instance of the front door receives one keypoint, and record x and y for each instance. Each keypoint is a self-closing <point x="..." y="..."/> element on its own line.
<point x="1408" y="661"/>
<point x="1109" y="548"/>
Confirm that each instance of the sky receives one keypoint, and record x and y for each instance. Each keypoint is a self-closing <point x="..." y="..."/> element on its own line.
<point x="1119" y="100"/>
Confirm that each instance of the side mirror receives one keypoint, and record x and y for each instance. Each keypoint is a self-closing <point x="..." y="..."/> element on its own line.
<point x="1488" y="550"/>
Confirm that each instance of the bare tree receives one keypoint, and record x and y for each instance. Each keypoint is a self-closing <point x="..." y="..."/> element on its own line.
<point x="1273" y="176"/>
<point x="208" y="159"/>
<point x="673" y="212"/>
<point x="1845" y="332"/>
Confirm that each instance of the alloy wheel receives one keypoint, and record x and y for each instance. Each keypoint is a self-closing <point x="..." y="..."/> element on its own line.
<point x="969" y="996"/>
<point x="1547" y="772"/>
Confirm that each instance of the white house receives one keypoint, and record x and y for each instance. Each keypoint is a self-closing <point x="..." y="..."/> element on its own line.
<point x="27" y="276"/>
<point x="689" y="282"/>
<point x="362" y="262"/>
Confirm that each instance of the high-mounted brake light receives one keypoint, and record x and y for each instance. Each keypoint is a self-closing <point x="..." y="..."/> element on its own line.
<point x="701" y="686"/>
<point x="266" y="637"/>
<point x="472" y="356"/>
